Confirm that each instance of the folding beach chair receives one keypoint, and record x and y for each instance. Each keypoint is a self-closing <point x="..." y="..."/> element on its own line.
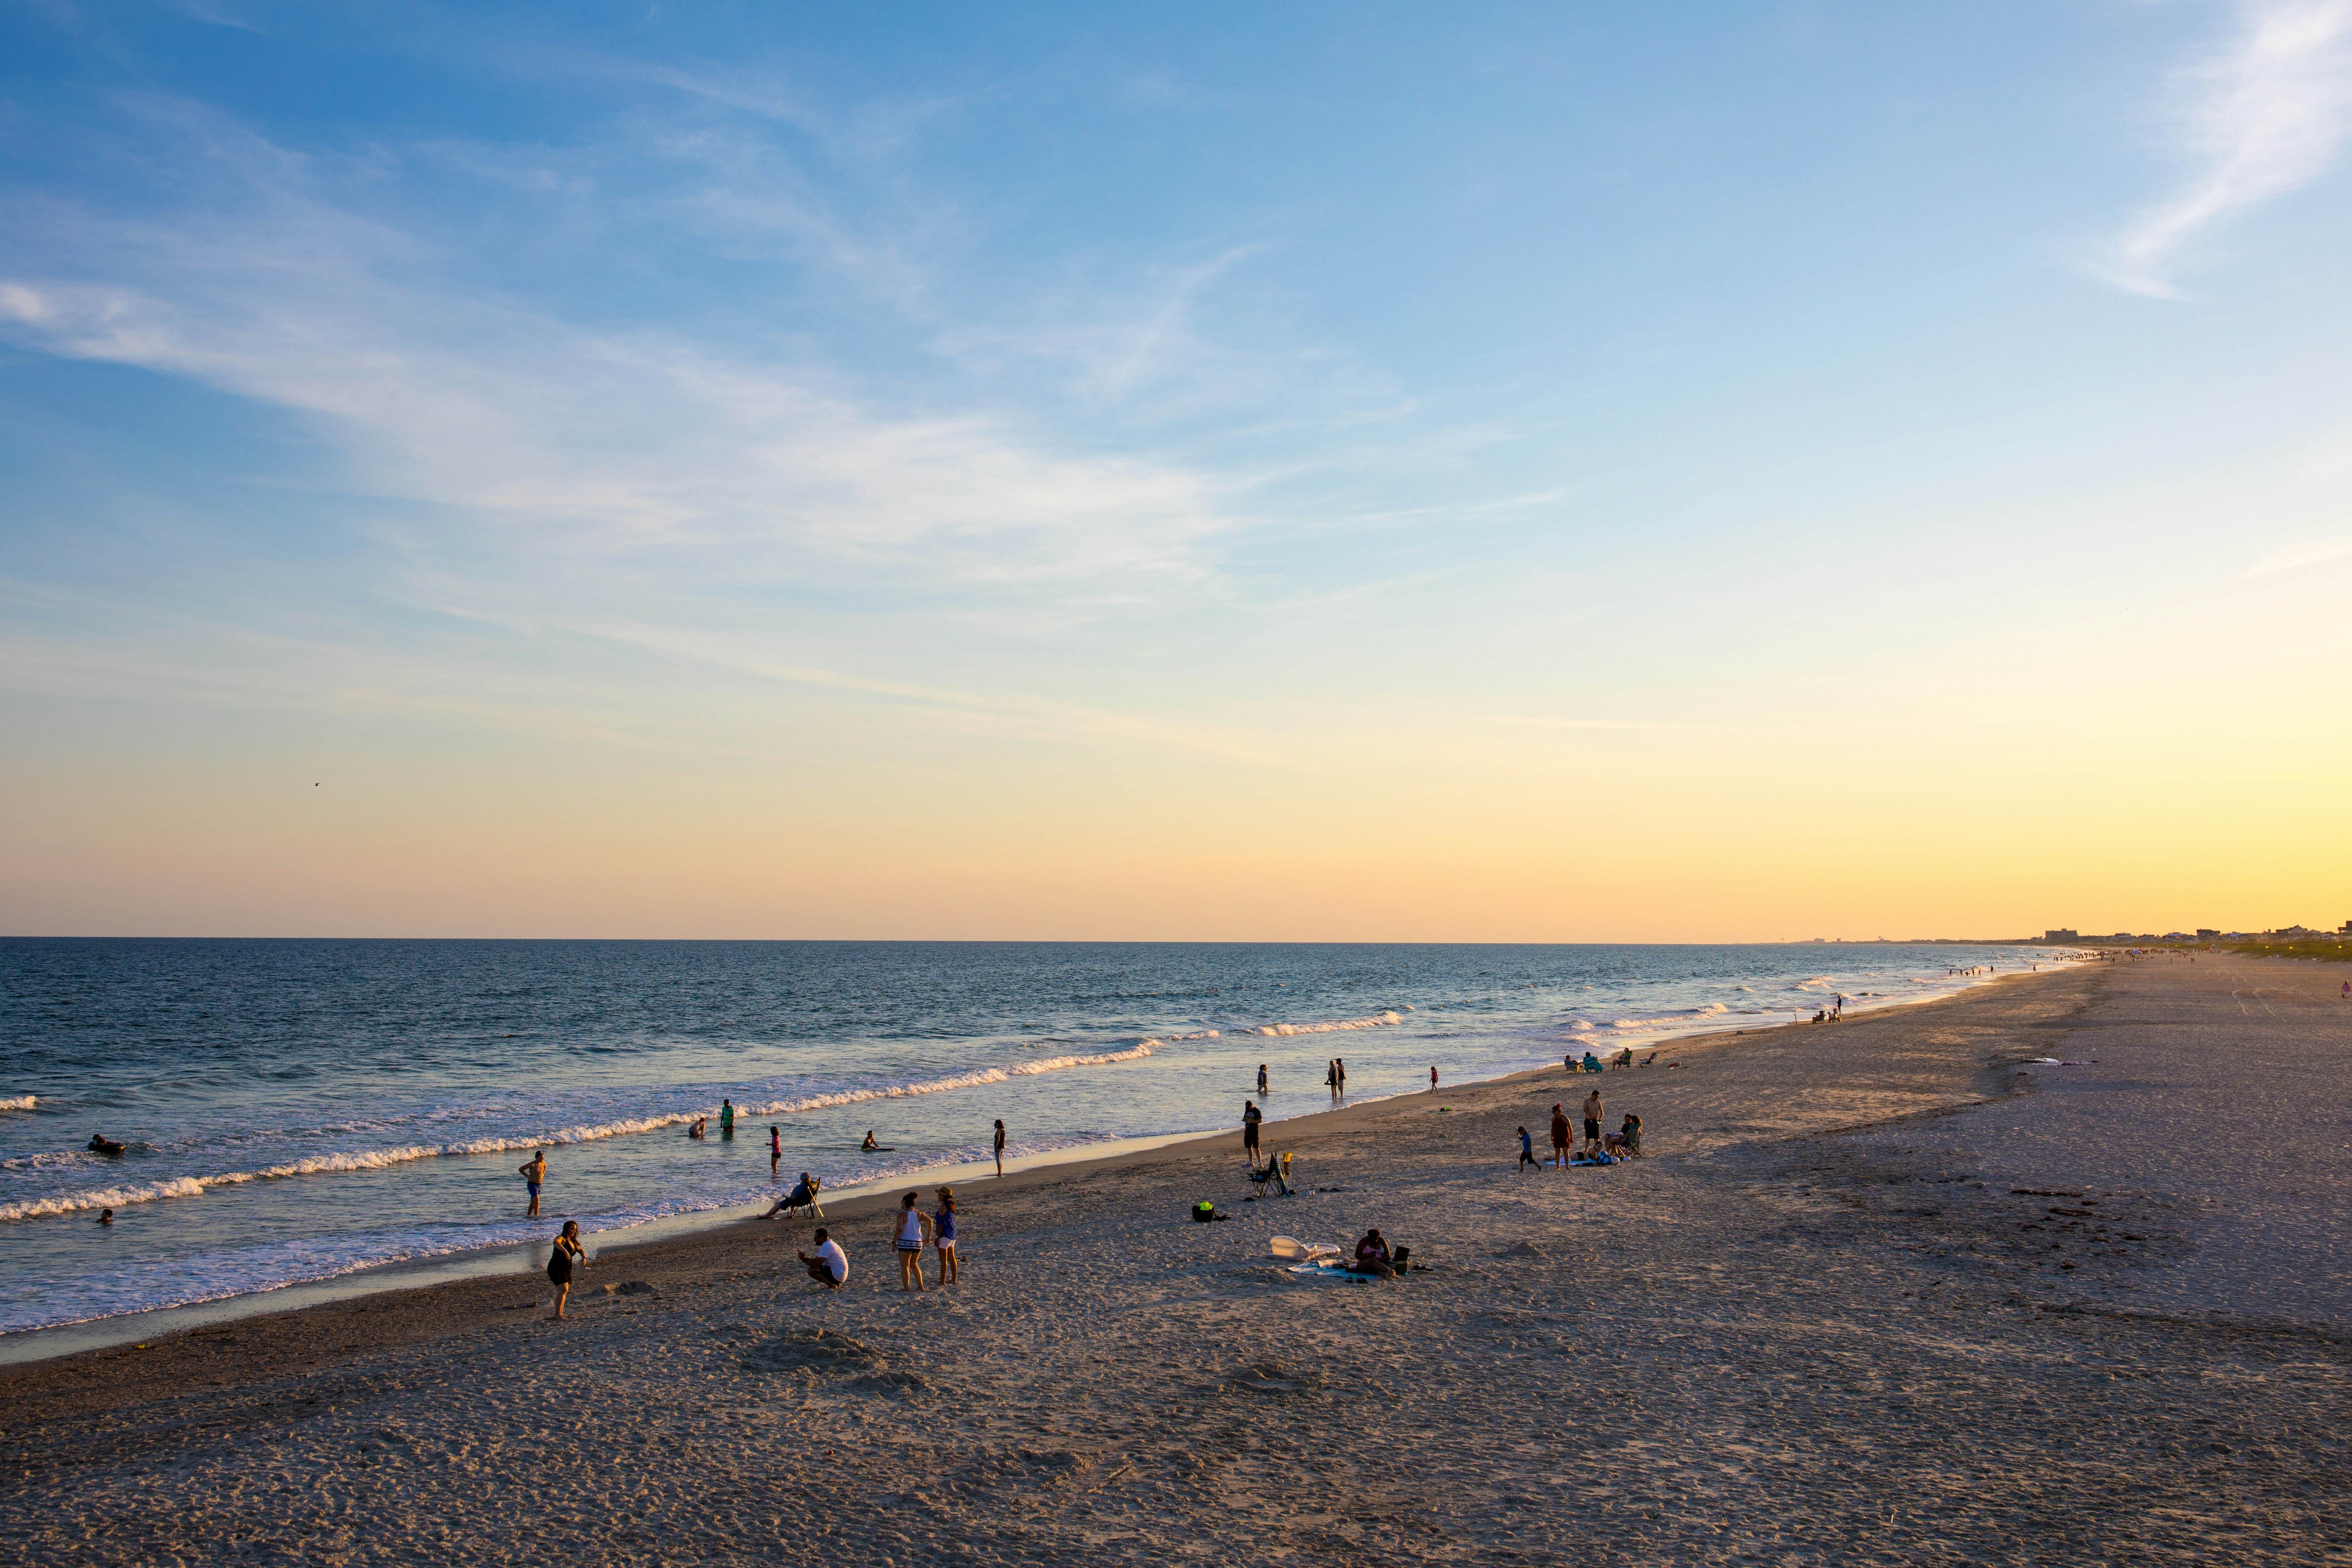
<point x="803" y="1197"/>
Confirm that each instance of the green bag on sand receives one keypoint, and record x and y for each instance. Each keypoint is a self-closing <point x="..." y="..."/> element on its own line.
<point x="1204" y="1211"/>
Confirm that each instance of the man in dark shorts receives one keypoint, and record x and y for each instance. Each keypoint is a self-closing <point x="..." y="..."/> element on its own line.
<point x="999" y="1148"/>
<point x="1559" y="1137"/>
<point x="1593" y="1122"/>
<point x="1251" y="1117"/>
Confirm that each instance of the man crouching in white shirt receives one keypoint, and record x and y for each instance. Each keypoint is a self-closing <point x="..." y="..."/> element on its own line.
<point x="830" y="1267"/>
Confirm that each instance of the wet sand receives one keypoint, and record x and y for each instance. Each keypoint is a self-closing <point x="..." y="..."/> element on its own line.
<point x="1882" y="1292"/>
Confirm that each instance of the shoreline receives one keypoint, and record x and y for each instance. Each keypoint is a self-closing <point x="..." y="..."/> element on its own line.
<point x="510" y="1261"/>
<point x="1886" y="1290"/>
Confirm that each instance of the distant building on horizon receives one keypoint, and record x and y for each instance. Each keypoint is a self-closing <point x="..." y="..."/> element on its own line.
<point x="2060" y="935"/>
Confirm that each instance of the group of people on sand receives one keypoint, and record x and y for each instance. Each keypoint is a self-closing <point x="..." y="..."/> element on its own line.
<point x="911" y="1231"/>
<point x="1599" y="1148"/>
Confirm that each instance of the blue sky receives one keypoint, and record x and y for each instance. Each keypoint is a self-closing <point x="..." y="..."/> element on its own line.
<point x="1167" y="447"/>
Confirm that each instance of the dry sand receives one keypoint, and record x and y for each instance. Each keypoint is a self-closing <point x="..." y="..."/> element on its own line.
<point x="1821" y="1323"/>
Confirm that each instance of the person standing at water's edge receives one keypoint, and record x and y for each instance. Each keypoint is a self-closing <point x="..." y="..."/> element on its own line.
<point x="1339" y="1065"/>
<point x="533" y="1173"/>
<point x="999" y="1148"/>
<point x="912" y="1235"/>
<point x="1261" y="1079"/>
<point x="1432" y="1081"/>
<point x="566" y="1255"/>
<point x="775" y="1151"/>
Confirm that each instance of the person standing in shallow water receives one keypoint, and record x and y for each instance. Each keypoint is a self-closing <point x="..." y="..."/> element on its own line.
<point x="533" y="1173"/>
<point x="775" y="1151"/>
<point x="566" y="1255"/>
<point x="726" y="1118"/>
<point x="999" y="1148"/>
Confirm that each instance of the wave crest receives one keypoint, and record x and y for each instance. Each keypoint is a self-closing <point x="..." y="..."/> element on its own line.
<point x="378" y="1159"/>
<point x="1376" y="1021"/>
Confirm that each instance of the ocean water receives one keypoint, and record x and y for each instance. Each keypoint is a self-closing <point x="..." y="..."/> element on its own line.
<point x="294" y="1110"/>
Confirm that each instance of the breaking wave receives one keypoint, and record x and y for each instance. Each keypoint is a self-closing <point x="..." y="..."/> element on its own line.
<point x="378" y="1159"/>
<point x="1376" y="1021"/>
<point x="19" y="1102"/>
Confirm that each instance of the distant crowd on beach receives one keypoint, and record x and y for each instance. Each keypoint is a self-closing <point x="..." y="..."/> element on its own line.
<point x="913" y="1232"/>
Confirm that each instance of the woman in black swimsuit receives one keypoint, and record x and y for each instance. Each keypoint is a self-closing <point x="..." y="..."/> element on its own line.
<point x="562" y="1259"/>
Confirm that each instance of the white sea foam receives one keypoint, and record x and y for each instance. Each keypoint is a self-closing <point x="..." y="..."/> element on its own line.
<point x="103" y="1198"/>
<point x="19" y="1102"/>
<point x="1376" y="1021"/>
<point x="378" y="1159"/>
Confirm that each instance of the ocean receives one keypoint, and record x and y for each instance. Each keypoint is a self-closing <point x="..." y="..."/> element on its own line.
<point x="295" y="1110"/>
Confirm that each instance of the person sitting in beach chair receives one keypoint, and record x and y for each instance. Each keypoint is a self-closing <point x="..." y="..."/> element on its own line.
<point x="802" y="1196"/>
<point x="1591" y="1062"/>
<point x="1625" y="1058"/>
<point x="1626" y="1140"/>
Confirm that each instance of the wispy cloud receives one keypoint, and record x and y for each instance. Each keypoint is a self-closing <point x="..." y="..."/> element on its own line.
<point x="2264" y="113"/>
<point x="601" y="441"/>
<point x="2294" y="557"/>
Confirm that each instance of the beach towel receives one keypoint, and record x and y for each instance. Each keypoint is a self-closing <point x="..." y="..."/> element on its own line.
<point x="1330" y="1268"/>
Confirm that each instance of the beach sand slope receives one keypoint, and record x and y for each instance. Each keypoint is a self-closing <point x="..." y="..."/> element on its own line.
<point x="1821" y="1323"/>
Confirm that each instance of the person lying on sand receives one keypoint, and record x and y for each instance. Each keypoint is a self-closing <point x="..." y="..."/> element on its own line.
<point x="830" y="1267"/>
<point x="1373" y="1256"/>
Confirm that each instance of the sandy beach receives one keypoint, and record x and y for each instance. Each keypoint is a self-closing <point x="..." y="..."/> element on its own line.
<point x="1892" y="1290"/>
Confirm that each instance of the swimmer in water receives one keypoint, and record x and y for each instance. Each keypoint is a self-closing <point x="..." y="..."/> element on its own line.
<point x="106" y="1216"/>
<point x="870" y="1145"/>
<point x="700" y="1124"/>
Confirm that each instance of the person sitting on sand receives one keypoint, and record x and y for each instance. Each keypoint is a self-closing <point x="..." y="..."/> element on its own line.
<point x="1373" y="1256"/>
<point x="830" y="1267"/>
<point x="870" y="1145"/>
<point x="566" y="1255"/>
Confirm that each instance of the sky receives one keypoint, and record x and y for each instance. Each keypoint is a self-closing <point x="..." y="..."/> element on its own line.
<point x="1596" y="473"/>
